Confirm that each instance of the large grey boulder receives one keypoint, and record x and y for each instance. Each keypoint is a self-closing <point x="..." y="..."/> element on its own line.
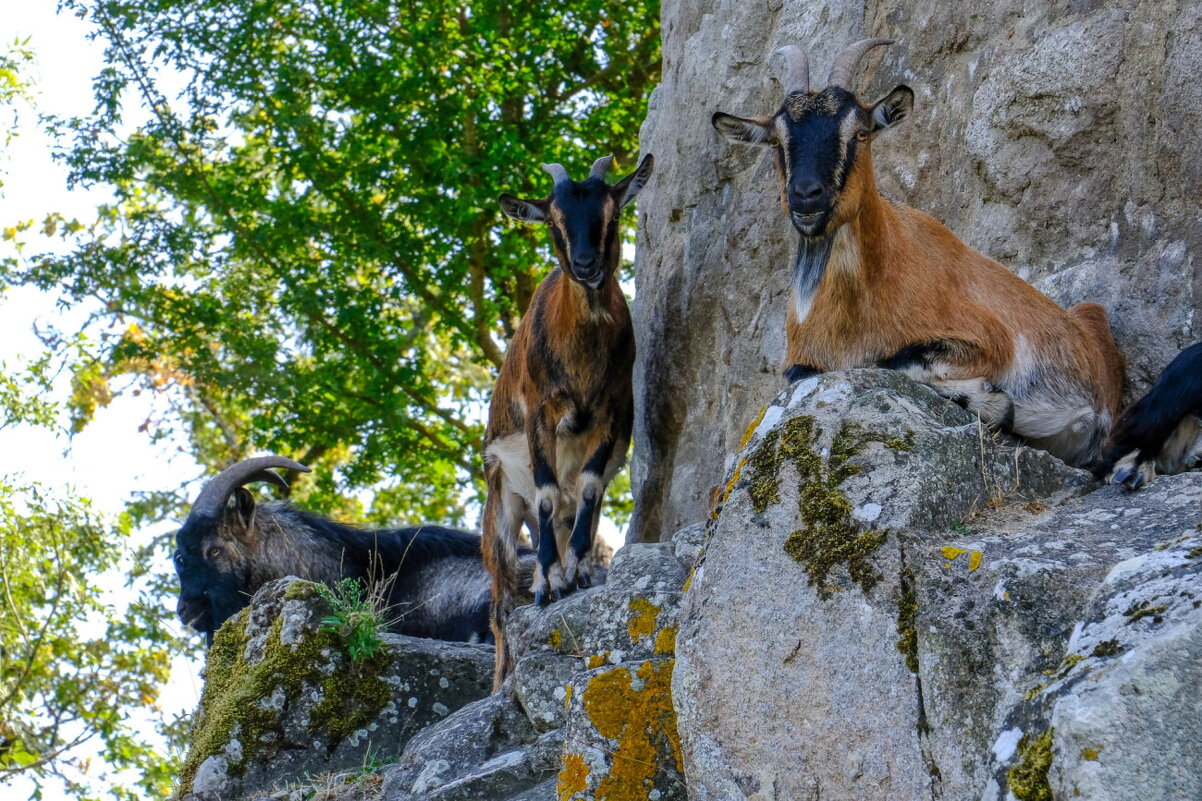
<point x="885" y="599"/>
<point x="283" y="700"/>
<point x="1056" y="137"/>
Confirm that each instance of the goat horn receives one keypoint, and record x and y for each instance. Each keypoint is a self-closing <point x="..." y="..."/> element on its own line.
<point x="844" y="70"/>
<point x="558" y="173"/>
<point x="797" y="63"/>
<point x="212" y="498"/>
<point x="600" y="167"/>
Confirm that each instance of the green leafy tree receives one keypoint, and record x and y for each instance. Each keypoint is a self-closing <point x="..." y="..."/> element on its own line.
<point x="76" y="666"/>
<point x="305" y="238"/>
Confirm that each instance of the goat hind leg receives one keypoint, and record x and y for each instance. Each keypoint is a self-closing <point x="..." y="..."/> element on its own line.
<point x="503" y="514"/>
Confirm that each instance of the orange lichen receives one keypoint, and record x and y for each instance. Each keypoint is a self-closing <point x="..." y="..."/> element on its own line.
<point x="574" y="776"/>
<point x="665" y="641"/>
<point x="728" y="489"/>
<point x="951" y="553"/>
<point x="556" y="639"/>
<point x="597" y="660"/>
<point x="635" y="713"/>
<point x="642" y="622"/>
<point x="749" y="432"/>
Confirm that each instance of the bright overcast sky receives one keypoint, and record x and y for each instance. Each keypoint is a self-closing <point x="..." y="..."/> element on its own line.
<point x="111" y="458"/>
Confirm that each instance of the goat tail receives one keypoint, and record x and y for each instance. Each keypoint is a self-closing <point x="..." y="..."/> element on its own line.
<point x="1160" y="429"/>
<point x="499" y="545"/>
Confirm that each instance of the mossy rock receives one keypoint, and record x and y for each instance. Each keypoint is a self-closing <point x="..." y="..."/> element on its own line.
<point x="282" y="698"/>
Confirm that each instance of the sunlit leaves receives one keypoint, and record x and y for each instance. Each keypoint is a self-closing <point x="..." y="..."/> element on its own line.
<point x="306" y="230"/>
<point x="73" y="666"/>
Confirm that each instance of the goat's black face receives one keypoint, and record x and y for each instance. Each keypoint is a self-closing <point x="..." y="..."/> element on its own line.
<point x="819" y="139"/>
<point x="210" y="561"/>
<point x="583" y="218"/>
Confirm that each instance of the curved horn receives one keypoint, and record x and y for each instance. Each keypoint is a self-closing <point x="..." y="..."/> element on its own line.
<point x="797" y="69"/>
<point x="558" y="173"/>
<point x="212" y="498"/>
<point x="844" y="70"/>
<point x="600" y="167"/>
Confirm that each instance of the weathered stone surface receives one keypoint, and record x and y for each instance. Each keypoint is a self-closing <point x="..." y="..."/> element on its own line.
<point x="283" y="700"/>
<point x="1123" y="707"/>
<point x="633" y="617"/>
<point x="1055" y="137"/>
<point x="472" y="736"/>
<point x="511" y="744"/>
<point x="884" y="592"/>
<point x="621" y="737"/>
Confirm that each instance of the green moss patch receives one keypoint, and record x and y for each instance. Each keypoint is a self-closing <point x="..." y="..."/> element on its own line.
<point x="830" y="536"/>
<point x="1107" y="648"/>
<point x="907" y="620"/>
<point x="242" y="701"/>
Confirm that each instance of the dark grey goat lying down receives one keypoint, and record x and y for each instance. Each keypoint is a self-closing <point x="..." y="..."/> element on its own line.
<point x="435" y="577"/>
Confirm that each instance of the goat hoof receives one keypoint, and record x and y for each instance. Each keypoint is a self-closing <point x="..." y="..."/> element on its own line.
<point x="1136" y="480"/>
<point x="583" y="581"/>
<point x="541" y="599"/>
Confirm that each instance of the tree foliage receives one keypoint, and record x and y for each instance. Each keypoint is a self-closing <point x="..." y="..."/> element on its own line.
<point x="74" y="666"/>
<point x="305" y="237"/>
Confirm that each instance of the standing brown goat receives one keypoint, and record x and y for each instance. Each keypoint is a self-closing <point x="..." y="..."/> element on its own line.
<point x="561" y="414"/>
<point x="876" y="283"/>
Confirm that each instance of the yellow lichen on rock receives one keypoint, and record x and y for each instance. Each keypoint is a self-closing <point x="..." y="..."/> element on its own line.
<point x="642" y="622"/>
<point x="665" y="641"/>
<point x="749" y="432"/>
<point x="632" y="710"/>
<point x="951" y="553"/>
<point x="573" y="778"/>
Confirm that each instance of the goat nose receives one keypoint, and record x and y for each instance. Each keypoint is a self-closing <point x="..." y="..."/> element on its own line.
<point x="807" y="189"/>
<point x="584" y="259"/>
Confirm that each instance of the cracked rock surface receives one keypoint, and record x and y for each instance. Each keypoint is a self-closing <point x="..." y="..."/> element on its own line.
<point x="892" y="603"/>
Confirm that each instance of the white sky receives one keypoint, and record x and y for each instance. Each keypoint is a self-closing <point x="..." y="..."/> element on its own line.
<point x="111" y="457"/>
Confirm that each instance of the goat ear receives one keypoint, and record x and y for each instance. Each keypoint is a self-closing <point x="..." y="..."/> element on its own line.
<point x="756" y="131"/>
<point x="892" y="109"/>
<point x="626" y="189"/>
<point x="531" y="211"/>
<point x="244" y="504"/>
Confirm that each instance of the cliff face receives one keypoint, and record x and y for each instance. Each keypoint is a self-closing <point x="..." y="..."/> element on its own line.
<point x="1058" y="138"/>
<point x="891" y="603"/>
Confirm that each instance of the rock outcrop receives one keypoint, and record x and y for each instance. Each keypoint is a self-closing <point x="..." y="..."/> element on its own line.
<point x="587" y="714"/>
<point x="892" y="603"/>
<point x="1055" y="137"/>
<point x="283" y="700"/>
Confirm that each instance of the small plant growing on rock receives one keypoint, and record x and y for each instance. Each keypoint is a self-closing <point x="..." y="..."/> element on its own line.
<point x="354" y="618"/>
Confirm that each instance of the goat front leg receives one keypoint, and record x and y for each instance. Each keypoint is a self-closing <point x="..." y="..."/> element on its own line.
<point x="590" y="490"/>
<point x="549" y="583"/>
<point x="936" y="365"/>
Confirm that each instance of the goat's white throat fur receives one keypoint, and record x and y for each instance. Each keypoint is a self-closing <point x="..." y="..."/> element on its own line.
<point x="808" y="269"/>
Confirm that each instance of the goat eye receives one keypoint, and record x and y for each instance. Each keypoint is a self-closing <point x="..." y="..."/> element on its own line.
<point x="861" y="136"/>
<point x="214" y="552"/>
